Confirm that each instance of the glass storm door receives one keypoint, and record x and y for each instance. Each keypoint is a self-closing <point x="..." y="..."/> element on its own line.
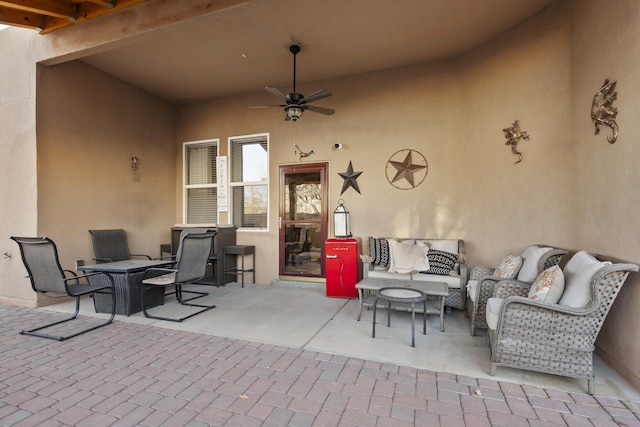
<point x="303" y="219"/>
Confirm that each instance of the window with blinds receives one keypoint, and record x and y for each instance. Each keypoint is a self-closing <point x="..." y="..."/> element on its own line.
<point x="200" y="186"/>
<point x="249" y="181"/>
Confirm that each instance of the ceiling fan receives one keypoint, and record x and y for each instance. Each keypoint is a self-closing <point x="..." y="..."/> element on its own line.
<point x="296" y="103"/>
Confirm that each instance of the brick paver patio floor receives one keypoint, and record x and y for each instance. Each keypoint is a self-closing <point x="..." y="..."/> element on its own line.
<point x="127" y="374"/>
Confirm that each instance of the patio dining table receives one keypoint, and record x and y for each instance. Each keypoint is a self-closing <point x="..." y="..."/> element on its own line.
<point x="127" y="276"/>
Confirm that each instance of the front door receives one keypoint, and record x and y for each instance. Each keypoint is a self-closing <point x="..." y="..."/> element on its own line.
<point x="303" y="219"/>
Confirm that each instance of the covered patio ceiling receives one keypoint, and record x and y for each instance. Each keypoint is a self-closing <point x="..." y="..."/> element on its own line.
<point x="195" y="50"/>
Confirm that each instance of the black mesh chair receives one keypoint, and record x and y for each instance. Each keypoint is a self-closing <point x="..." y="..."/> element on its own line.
<point x="191" y="265"/>
<point x="111" y="246"/>
<point x="40" y="257"/>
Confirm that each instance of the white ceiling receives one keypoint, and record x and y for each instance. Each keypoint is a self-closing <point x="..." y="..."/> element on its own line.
<point x="245" y="48"/>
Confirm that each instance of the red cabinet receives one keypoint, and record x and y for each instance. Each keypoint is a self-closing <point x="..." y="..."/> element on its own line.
<point x="343" y="268"/>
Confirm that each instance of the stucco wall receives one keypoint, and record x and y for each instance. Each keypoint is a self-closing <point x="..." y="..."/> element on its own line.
<point x="90" y="125"/>
<point x="18" y="194"/>
<point x="524" y="74"/>
<point x="604" y="43"/>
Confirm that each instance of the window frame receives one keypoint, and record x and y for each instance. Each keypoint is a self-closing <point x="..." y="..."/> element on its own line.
<point x="245" y="139"/>
<point x="215" y="142"/>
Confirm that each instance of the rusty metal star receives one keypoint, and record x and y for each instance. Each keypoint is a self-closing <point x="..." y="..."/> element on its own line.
<point x="350" y="178"/>
<point x="405" y="169"/>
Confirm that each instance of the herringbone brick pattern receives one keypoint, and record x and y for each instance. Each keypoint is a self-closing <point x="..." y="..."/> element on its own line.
<point x="128" y="375"/>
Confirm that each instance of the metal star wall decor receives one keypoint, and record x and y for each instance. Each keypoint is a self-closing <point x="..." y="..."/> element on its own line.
<point x="406" y="169"/>
<point x="350" y="178"/>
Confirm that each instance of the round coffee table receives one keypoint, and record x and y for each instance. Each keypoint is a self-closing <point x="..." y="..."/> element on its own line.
<point x="404" y="296"/>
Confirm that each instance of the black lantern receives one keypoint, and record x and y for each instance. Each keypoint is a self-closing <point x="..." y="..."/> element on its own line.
<point x="341" y="221"/>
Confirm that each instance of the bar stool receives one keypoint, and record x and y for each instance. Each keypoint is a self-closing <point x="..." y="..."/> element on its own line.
<point x="241" y="250"/>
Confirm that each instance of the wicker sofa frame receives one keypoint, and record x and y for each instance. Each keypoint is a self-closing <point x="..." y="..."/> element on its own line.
<point x="457" y="297"/>
<point x="487" y="282"/>
<point x="552" y="338"/>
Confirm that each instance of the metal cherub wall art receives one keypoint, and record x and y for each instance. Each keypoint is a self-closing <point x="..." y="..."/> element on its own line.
<point x="602" y="110"/>
<point x="514" y="135"/>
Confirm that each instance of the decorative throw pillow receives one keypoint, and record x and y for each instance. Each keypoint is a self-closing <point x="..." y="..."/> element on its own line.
<point x="445" y="245"/>
<point x="440" y="262"/>
<point x="407" y="258"/>
<point x="508" y="267"/>
<point x="578" y="274"/>
<point x="548" y="286"/>
<point x="531" y="256"/>
<point x="379" y="251"/>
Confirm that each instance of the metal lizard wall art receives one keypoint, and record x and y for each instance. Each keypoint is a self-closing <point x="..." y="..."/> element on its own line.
<point x="602" y="110"/>
<point x="514" y="135"/>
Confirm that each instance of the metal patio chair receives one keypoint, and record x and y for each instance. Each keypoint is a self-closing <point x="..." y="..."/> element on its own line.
<point x="40" y="257"/>
<point x="191" y="265"/>
<point x="111" y="246"/>
<point x="192" y="230"/>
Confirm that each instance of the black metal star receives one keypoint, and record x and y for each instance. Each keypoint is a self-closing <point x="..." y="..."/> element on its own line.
<point x="406" y="169"/>
<point x="350" y="178"/>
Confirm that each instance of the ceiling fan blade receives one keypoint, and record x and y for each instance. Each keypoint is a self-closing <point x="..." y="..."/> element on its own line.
<point x="319" y="94"/>
<point x="321" y="110"/>
<point x="276" y="92"/>
<point x="266" y="106"/>
<point x="296" y="103"/>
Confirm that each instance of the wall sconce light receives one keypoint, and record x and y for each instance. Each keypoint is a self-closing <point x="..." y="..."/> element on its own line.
<point x="134" y="169"/>
<point x="341" y="226"/>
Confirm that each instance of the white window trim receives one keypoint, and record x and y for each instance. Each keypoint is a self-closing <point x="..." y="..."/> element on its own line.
<point x="185" y="187"/>
<point x="245" y="183"/>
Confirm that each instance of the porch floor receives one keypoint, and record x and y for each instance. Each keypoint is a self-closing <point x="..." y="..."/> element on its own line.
<point x="274" y="327"/>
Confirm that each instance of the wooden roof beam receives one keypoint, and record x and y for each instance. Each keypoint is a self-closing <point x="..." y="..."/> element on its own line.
<point x="20" y="19"/>
<point x="109" y="4"/>
<point x="53" y="8"/>
<point x="15" y="13"/>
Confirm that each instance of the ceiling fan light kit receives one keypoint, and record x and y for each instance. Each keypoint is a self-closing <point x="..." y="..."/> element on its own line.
<point x="296" y="103"/>
<point x="293" y="112"/>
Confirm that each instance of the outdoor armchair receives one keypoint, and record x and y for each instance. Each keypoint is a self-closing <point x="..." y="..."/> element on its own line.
<point x="534" y="259"/>
<point x="111" y="246"/>
<point x="558" y="338"/>
<point x="191" y="265"/>
<point x="40" y="257"/>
